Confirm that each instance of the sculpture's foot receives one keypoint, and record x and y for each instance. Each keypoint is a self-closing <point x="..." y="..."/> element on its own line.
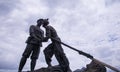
<point x="19" y="71"/>
<point x="69" y="71"/>
<point x="23" y="71"/>
<point x="49" y="66"/>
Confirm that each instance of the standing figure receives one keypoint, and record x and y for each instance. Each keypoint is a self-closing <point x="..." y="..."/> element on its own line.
<point x="34" y="42"/>
<point x="54" y="48"/>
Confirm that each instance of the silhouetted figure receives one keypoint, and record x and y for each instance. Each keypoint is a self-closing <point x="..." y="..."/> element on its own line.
<point x="54" y="48"/>
<point x="34" y="42"/>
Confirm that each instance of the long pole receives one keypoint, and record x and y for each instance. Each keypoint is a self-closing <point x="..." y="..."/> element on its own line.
<point x="109" y="66"/>
<point x="88" y="56"/>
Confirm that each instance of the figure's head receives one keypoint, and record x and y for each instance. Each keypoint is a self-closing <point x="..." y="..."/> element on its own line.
<point x="39" y="22"/>
<point x="45" y="23"/>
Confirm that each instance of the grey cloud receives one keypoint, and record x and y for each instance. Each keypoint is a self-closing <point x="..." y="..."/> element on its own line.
<point x="52" y="3"/>
<point x="6" y="61"/>
<point x="113" y="38"/>
<point x="56" y="5"/>
<point x="110" y="2"/>
<point x="60" y="3"/>
<point x="7" y="65"/>
<point x="105" y="52"/>
<point x="7" y="6"/>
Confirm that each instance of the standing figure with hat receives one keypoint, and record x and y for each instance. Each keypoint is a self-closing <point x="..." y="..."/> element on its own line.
<point x="34" y="42"/>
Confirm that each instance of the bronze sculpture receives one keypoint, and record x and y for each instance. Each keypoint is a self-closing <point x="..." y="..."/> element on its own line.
<point x="34" y="42"/>
<point x="54" y="48"/>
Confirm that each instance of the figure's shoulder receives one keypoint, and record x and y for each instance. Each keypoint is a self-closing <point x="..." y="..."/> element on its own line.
<point x="47" y="27"/>
<point x="50" y="27"/>
<point x="32" y="26"/>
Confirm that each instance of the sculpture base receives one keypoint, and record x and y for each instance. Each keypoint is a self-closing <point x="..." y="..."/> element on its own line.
<point x="92" y="67"/>
<point x="51" y="69"/>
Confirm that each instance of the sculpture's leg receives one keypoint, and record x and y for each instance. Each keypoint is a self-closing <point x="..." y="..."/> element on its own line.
<point x="61" y="57"/>
<point x="22" y="63"/>
<point x="33" y="63"/>
<point x="61" y="62"/>
<point x="25" y="55"/>
<point x="48" y="52"/>
<point x="34" y="56"/>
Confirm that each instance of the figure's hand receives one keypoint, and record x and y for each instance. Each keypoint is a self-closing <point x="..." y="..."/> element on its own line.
<point x="85" y="54"/>
<point x="45" y="39"/>
<point x="89" y="56"/>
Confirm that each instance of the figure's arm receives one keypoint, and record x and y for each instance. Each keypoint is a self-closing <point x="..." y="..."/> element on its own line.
<point x="45" y="39"/>
<point x="41" y="36"/>
<point x="32" y="33"/>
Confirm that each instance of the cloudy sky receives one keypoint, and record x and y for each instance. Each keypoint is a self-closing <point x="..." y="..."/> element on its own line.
<point x="92" y="26"/>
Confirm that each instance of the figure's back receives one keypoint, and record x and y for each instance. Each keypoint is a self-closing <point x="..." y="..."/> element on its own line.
<point x="53" y="32"/>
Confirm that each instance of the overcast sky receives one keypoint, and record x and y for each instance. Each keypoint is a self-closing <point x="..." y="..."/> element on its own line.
<point x="92" y="26"/>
